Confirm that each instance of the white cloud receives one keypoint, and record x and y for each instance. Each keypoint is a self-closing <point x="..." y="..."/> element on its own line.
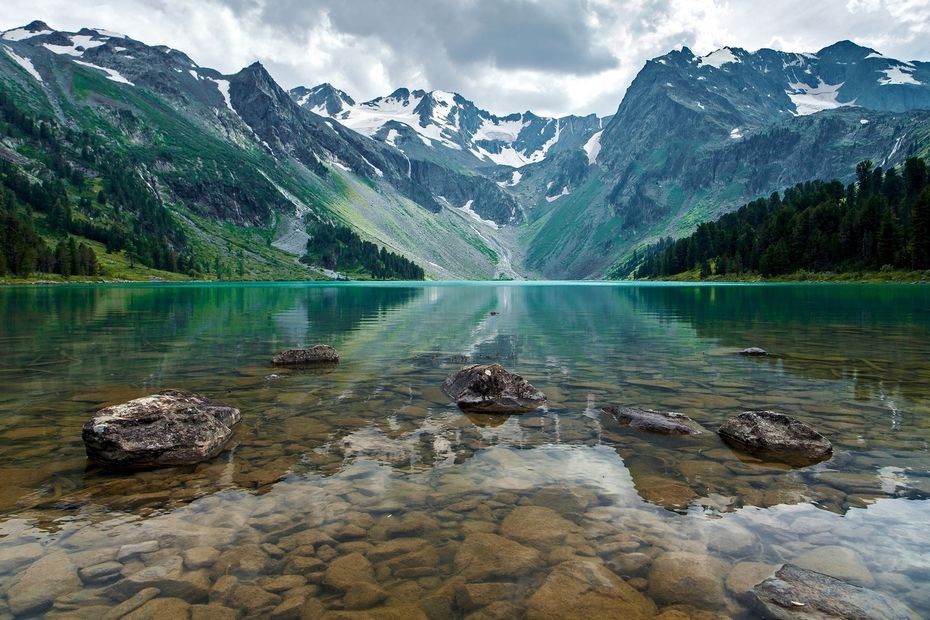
<point x="479" y="48"/>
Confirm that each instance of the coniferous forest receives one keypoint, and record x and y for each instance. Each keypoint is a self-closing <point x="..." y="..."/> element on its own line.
<point x="879" y="222"/>
<point x="339" y="248"/>
<point x="83" y="188"/>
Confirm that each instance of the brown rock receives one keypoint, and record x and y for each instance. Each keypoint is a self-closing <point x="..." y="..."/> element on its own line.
<point x="347" y="571"/>
<point x="42" y="582"/>
<point x="471" y="596"/>
<point x="537" y="526"/>
<point x="744" y="576"/>
<point x="135" y="601"/>
<point x="213" y="612"/>
<point x="363" y="596"/>
<point x="161" y="609"/>
<point x="586" y="589"/>
<point x="687" y="578"/>
<point x="199" y="557"/>
<point x="482" y="556"/>
<point x="252" y="599"/>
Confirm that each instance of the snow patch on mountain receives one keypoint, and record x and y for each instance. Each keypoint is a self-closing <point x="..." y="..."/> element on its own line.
<point x="808" y="100"/>
<point x="735" y="133"/>
<point x="593" y="147"/>
<point x="719" y="58"/>
<point x="899" y="74"/>
<point x="111" y="74"/>
<point x="499" y="129"/>
<point x="23" y="62"/>
<point x="514" y="179"/>
<point x="83" y="41"/>
<point x="223" y="87"/>
<point x="20" y="34"/>
<point x="467" y="210"/>
<point x="564" y="192"/>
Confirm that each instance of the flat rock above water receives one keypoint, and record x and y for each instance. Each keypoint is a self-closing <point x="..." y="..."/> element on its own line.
<point x="488" y="388"/>
<point x="776" y="436"/>
<point x="666" y="423"/>
<point x="317" y="354"/>
<point x="168" y="428"/>
<point x="795" y="593"/>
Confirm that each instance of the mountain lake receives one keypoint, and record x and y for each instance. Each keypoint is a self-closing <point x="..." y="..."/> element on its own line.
<point x="363" y="491"/>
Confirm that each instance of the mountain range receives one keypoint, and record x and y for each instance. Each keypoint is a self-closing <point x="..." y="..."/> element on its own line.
<point x="244" y="166"/>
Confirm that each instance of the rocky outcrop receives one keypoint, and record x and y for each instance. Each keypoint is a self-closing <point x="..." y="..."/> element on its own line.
<point x="776" y="436"/>
<point x="666" y="423"/>
<point x="795" y="593"/>
<point x="491" y="389"/>
<point x="317" y="354"/>
<point x="168" y="428"/>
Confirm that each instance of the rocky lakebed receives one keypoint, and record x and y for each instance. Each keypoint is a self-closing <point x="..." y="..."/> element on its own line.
<point x="422" y="481"/>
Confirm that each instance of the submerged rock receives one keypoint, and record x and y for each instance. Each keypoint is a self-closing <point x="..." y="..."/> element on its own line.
<point x="317" y="354"/>
<point x="488" y="388"/>
<point x="795" y="593"/>
<point x="483" y="556"/>
<point x="42" y="582"/>
<point x="168" y="428"/>
<point x="681" y="577"/>
<point x="776" y="436"/>
<point x="753" y="352"/>
<point x="667" y="423"/>
<point x="587" y="589"/>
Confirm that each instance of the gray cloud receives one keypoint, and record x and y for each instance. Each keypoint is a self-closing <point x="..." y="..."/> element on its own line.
<point x="551" y="56"/>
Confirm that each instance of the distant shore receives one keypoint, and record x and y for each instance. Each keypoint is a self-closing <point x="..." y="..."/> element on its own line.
<point x="859" y="277"/>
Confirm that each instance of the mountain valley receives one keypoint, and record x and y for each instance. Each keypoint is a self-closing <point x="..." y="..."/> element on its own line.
<point x="243" y="168"/>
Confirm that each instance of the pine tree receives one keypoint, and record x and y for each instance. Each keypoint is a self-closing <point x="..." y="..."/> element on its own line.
<point x="920" y="231"/>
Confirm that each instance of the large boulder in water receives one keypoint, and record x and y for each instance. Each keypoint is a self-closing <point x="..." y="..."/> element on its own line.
<point x="776" y="436"/>
<point x="795" y="593"/>
<point x="168" y="428"/>
<point x="317" y="354"/>
<point x="488" y="388"/>
<point x="666" y="423"/>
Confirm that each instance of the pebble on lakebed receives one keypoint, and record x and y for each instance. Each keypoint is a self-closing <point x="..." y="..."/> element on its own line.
<point x="168" y="428"/>
<point x="317" y="354"/>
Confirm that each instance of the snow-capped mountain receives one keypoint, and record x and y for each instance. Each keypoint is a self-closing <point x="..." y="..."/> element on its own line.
<point x="411" y="120"/>
<point x="696" y="136"/>
<point x="462" y="191"/>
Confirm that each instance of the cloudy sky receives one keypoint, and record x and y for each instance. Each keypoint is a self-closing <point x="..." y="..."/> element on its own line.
<point x="552" y="56"/>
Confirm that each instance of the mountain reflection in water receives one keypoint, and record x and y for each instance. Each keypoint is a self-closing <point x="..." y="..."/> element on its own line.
<point x="346" y="461"/>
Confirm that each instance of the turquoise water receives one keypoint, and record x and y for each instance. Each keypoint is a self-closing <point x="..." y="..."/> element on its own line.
<point x="371" y="460"/>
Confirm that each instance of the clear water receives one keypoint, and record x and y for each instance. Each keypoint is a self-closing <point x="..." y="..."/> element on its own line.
<point x="330" y="464"/>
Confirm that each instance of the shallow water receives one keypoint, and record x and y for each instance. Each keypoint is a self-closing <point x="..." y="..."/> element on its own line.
<point x="369" y="470"/>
